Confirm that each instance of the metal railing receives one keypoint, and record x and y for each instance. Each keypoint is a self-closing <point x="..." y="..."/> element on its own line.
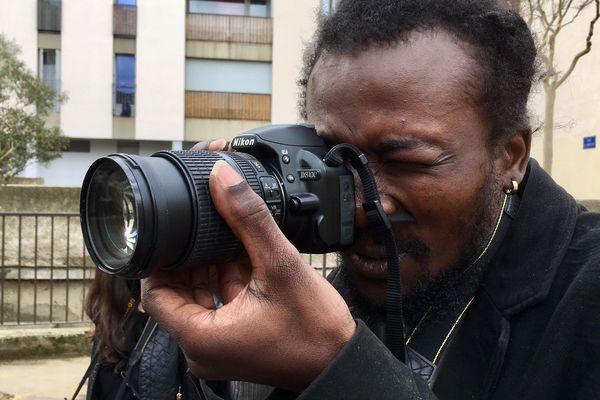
<point x="49" y="15"/>
<point x="124" y="99"/>
<point x="124" y="20"/>
<point x="229" y="28"/>
<point x="54" y="84"/>
<point x="44" y="269"/>
<point x="220" y="105"/>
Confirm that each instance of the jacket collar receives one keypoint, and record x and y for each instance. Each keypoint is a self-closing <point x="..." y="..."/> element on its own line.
<point x="523" y="269"/>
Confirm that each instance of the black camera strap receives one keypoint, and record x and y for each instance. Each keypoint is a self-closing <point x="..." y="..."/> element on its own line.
<point x="381" y="224"/>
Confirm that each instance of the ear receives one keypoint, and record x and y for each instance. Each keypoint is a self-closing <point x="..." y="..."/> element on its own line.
<point x="513" y="157"/>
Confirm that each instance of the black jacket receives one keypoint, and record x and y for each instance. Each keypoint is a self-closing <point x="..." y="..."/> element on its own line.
<point x="532" y="331"/>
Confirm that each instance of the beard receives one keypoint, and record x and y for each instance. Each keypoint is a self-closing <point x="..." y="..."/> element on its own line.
<point x="444" y="292"/>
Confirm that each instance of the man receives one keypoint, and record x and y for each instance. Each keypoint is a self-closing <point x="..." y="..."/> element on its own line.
<point x="500" y="267"/>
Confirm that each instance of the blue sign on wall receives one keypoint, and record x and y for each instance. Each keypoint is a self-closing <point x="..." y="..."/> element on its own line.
<point x="589" y="142"/>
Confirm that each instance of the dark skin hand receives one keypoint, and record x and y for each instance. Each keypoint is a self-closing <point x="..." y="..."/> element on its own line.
<point x="276" y="306"/>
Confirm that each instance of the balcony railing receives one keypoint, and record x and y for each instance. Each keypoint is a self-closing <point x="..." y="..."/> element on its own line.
<point x="124" y="99"/>
<point x="216" y="105"/>
<point x="49" y="15"/>
<point x="124" y="20"/>
<point x="54" y="84"/>
<point x="229" y="28"/>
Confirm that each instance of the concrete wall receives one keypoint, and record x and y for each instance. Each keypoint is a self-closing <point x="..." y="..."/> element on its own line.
<point x="12" y="15"/>
<point x="294" y="22"/>
<point x="160" y="70"/>
<point x="27" y="198"/>
<point x="577" y="106"/>
<point x="87" y="68"/>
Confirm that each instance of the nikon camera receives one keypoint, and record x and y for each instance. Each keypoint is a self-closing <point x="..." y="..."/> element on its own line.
<point x="143" y="213"/>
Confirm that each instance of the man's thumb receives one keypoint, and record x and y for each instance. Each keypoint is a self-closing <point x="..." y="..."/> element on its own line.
<point x="248" y="216"/>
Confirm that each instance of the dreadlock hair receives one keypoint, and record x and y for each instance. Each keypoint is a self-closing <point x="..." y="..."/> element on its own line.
<point x="503" y="48"/>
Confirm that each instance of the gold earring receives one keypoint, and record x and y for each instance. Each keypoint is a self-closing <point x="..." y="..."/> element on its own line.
<point x="513" y="189"/>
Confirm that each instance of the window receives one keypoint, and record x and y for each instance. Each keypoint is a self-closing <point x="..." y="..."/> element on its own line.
<point x="124" y="99"/>
<point x="49" y="69"/>
<point x="228" y="76"/>
<point x="252" y="8"/>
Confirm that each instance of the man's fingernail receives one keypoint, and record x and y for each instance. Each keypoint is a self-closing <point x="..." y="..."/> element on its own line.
<point x="220" y="144"/>
<point x="225" y="174"/>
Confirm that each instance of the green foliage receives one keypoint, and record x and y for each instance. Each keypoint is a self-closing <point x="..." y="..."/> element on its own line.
<point x="25" y="102"/>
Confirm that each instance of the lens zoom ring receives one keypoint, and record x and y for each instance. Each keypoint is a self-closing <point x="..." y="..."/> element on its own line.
<point x="248" y="171"/>
<point x="214" y="242"/>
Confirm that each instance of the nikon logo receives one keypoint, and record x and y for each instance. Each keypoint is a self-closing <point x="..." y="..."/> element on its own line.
<point x="241" y="141"/>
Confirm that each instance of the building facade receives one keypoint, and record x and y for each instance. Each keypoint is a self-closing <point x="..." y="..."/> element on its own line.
<point x="142" y="76"/>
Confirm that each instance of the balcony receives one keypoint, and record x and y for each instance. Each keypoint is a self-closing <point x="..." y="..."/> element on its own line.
<point x="124" y="21"/>
<point x="124" y="99"/>
<point x="49" y="15"/>
<point x="229" y="28"/>
<point x="54" y="84"/>
<point x="238" y="106"/>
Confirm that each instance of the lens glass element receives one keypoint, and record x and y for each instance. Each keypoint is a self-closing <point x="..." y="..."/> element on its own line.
<point x="112" y="215"/>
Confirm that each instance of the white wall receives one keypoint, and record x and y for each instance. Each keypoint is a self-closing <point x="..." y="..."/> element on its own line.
<point x="70" y="169"/>
<point x="18" y="22"/>
<point x="576" y="114"/>
<point x="87" y="68"/>
<point x="294" y="22"/>
<point x="160" y="57"/>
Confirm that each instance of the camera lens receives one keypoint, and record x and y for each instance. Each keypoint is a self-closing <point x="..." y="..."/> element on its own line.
<point x="143" y="213"/>
<point x="112" y="214"/>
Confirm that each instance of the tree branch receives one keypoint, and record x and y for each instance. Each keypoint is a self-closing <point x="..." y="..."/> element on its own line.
<point x="543" y="16"/>
<point x="588" y="47"/>
<point x="7" y="153"/>
<point x="581" y="7"/>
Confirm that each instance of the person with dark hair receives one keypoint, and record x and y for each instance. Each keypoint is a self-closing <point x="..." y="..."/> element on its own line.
<point x="500" y="267"/>
<point x="132" y="357"/>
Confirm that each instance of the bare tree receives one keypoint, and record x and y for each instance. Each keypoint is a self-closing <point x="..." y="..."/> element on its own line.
<point x="549" y="18"/>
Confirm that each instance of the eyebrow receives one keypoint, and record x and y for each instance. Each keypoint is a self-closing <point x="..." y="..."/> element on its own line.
<point x="402" y="144"/>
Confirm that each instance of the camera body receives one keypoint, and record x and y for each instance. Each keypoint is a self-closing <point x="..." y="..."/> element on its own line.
<point x="312" y="201"/>
<point x="142" y="213"/>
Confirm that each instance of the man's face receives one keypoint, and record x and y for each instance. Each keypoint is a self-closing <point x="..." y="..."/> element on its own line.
<point x="407" y="108"/>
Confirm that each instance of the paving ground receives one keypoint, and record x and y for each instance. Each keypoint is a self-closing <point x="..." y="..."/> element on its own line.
<point x="43" y="379"/>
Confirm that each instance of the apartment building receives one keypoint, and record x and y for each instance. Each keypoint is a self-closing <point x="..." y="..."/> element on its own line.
<point x="147" y="75"/>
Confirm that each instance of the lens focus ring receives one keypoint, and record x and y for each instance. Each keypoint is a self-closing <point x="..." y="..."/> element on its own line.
<point x="214" y="241"/>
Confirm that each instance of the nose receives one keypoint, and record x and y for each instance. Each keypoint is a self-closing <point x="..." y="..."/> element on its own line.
<point x="390" y="207"/>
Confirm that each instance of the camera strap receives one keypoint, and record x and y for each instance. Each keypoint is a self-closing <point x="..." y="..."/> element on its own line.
<point x="381" y="224"/>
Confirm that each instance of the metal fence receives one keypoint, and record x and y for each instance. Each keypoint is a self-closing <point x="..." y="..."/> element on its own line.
<point x="124" y="99"/>
<point x="45" y="269"/>
<point x="124" y="20"/>
<point x="49" y="15"/>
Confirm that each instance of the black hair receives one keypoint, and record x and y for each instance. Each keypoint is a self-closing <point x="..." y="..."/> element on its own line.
<point x="504" y="49"/>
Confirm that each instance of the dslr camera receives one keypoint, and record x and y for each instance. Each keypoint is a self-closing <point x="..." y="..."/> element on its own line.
<point x="143" y="213"/>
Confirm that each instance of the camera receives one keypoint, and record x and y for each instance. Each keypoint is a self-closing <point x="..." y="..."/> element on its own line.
<point x="139" y="214"/>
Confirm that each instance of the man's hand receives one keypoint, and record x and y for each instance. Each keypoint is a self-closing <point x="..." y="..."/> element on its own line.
<point x="281" y="323"/>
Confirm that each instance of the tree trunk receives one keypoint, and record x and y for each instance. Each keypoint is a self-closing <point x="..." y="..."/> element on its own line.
<point x="550" y="91"/>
